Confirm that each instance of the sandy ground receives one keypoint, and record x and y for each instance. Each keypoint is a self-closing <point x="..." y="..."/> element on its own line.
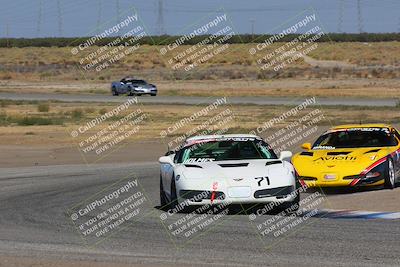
<point x="374" y="199"/>
<point x="22" y="156"/>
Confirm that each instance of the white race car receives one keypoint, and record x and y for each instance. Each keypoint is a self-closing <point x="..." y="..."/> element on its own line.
<point x="227" y="169"/>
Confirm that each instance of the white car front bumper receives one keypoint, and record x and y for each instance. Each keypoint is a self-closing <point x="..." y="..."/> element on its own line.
<point x="196" y="192"/>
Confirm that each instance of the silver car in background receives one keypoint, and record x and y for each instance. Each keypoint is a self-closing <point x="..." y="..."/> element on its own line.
<point x="133" y="86"/>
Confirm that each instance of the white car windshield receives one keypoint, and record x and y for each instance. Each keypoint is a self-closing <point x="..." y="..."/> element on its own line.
<point x="227" y="149"/>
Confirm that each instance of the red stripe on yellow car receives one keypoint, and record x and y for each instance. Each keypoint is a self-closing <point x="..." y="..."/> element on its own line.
<point x="354" y="182"/>
<point x="303" y="184"/>
<point x="376" y="163"/>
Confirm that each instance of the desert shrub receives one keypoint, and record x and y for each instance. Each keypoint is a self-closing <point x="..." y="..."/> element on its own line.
<point x="3" y="103"/>
<point x="102" y="111"/>
<point x="29" y="121"/>
<point x="77" y="114"/>
<point x="89" y="110"/>
<point x="3" y="119"/>
<point x="43" y="107"/>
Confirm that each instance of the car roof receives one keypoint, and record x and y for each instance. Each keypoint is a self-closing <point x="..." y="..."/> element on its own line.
<point x="131" y="78"/>
<point x="220" y="136"/>
<point x="368" y="125"/>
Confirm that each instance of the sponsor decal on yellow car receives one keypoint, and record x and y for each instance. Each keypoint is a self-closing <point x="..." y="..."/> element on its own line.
<point x="351" y="155"/>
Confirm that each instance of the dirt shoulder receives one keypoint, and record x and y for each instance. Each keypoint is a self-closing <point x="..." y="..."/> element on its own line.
<point x="352" y="87"/>
<point x="17" y="261"/>
<point x="46" y="155"/>
<point x="374" y="199"/>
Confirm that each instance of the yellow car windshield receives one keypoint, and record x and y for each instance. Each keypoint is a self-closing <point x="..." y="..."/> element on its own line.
<point x="353" y="138"/>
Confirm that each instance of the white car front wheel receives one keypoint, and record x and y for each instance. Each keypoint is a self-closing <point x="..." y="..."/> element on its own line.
<point x="163" y="197"/>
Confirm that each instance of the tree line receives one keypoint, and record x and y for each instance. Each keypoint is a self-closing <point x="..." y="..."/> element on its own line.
<point x="167" y="39"/>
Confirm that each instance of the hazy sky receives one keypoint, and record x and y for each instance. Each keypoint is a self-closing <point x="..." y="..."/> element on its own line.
<point x="42" y="18"/>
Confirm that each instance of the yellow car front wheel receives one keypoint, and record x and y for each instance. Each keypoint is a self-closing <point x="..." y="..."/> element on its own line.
<point x="390" y="178"/>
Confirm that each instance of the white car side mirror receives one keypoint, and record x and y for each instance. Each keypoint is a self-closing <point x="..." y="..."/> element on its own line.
<point x="285" y="155"/>
<point x="165" y="160"/>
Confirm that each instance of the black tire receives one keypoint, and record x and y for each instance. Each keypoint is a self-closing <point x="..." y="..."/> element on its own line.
<point x="129" y="91"/>
<point x="174" y="198"/>
<point x="163" y="197"/>
<point x="153" y="94"/>
<point x="293" y="205"/>
<point x="139" y="94"/>
<point x="296" y="203"/>
<point x="390" y="175"/>
<point x="114" y="91"/>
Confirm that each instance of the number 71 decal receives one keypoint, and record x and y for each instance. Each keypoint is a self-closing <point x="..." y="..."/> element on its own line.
<point x="261" y="179"/>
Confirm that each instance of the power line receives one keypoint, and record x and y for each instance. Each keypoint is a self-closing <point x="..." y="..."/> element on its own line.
<point x="8" y="34"/>
<point x="118" y="10"/>
<point x="398" y="28"/>
<point x="60" y="24"/>
<point x="360" y="20"/>
<point x="252" y="21"/>
<point x="34" y="23"/>
<point x="160" y="18"/>
<point x="39" y="20"/>
<point x="341" y="11"/>
<point x="99" y="11"/>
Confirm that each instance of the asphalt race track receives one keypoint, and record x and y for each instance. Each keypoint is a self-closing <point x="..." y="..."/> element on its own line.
<point x="201" y="100"/>
<point x="34" y="223"/>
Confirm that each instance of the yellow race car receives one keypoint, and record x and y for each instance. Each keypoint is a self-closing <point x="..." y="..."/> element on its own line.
<point x="351" y="155"/>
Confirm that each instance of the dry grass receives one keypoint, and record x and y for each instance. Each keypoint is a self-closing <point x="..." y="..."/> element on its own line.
<point x="363" y="54"/>
<point x="378" y="53"/>
<point x="232" y="73"/>
<point x="158" y="120"/>
<point x="58" y="64"/>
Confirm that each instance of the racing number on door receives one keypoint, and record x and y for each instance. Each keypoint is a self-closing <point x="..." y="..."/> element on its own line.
<point x="261" y="179"/>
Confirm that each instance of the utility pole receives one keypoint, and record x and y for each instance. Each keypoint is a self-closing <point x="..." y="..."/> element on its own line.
<point x="118" y="10"/>
<point x="252" y="21"/>
<point x="341" y="11"/>
<point x="59" y="13"/>
<point x="7" y="34"/>
<point x="360" y="21"/>
<point x="98" y="16"/>
<point x="398" y="29"/>
<point x="39" y="21"/>
<point x="160" y="18"/>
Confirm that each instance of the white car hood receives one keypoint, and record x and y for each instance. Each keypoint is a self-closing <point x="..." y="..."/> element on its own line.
<point x="232" y="169"/>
